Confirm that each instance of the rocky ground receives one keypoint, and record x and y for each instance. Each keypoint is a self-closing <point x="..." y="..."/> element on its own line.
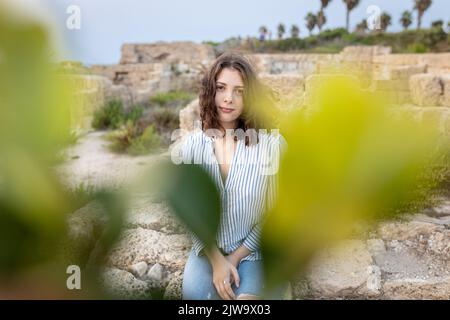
<point x="408" y="259"/>
<point x="90" y="162"/>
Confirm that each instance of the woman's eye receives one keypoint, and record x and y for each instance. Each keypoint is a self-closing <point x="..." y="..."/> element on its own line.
<point x="220" y="88"/>
<point x="240" y="92"/>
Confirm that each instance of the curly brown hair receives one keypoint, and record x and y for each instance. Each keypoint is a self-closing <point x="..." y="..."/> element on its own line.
<point x="258" y="99"/>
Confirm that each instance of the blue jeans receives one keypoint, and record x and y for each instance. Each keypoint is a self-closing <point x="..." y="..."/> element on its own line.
<point x="198" y="282"/>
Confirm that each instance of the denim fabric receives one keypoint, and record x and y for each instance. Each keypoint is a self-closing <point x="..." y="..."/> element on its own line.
<point x="198" y="282"/>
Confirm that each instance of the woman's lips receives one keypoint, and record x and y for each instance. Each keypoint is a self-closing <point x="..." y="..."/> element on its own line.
<point x="226" y="110"/>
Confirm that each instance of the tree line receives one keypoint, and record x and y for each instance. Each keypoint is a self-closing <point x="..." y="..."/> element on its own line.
<point x="385" y="19"/>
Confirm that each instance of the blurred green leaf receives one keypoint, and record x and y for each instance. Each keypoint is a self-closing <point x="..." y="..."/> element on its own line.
<point x="348" y="161"/>
<point x="35" y="105"/>
<point x="192" y="195"/>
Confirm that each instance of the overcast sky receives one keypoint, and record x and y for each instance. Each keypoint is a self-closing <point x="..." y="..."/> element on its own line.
<point x="107" y="24"/>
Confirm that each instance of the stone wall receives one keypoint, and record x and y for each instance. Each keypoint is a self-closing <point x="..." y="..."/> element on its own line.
<point x="417" y="83"/>
<point x="376" y="59"/>
<point x="437" y="63"/>
<point x="292" y="64"/>
<point x="410" y="80"/>
<point x="350" y="59"/>
<point x="88" y="96"/>
<point x="375" y="67"/>
<point x="134" y="83"/>
<point x="147" y="69"/>
<point x="167" y="52"/>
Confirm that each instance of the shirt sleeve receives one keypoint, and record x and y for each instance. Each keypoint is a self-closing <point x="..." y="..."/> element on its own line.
<point x="197" y="244"/>
<point x="251" y="242"/>
<point x="273" y="180"/>
<point x="186" y="150"/>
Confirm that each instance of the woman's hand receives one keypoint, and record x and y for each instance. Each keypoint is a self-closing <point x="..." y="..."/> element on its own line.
<point x="224" y="274"/>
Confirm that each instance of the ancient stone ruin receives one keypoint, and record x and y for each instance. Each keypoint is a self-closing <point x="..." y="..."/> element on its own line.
<point x="419" y="83"/>
<point x="415" y="84"/>
<point x="146" y="69"/>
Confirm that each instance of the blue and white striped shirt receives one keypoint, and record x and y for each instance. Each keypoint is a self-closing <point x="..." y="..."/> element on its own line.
<point x="249" y="189"/>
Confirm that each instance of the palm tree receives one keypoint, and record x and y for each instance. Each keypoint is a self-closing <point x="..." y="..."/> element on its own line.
<point x="321" y="20"/>
<point x="421" y="6"/>
<point x="351" y="4"/>
<point x="406" y="19"/>
<point x="324" y="4"/>
<point x="438" y="24"/>
<point x="385" y="21"/>
<point x="262" y="33"/>
<point x="362" y="26"/>
<point x="311" y="21"/>
<point x="295" y="31"/>
<point x="281" y="30"/>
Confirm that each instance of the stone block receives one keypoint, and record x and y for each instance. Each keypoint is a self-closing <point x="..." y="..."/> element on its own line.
<point x="426" y="89"/>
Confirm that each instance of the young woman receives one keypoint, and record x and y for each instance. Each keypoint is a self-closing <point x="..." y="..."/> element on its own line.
<point x="242" y="160"/>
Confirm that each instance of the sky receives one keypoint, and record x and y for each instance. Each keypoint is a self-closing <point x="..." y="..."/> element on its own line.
<point x="104" y="25"/>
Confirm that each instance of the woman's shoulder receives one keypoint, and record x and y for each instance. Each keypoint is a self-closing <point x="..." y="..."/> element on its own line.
<point x="189" y="145"/>
<point x="193" y="137"/>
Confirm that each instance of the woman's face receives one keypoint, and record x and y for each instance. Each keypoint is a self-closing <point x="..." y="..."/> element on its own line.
<point x="229" y="97"/>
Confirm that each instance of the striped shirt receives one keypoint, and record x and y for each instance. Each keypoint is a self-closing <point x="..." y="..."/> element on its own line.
<point x="249" y="189"/>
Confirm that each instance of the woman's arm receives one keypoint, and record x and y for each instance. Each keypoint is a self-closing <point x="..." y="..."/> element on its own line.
<point x="237" y="255"/>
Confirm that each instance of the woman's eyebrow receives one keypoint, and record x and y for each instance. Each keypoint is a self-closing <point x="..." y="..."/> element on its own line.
<point x="222" y="83"/>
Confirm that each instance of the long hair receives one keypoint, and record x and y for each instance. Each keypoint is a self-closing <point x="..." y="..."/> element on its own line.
<point x="258" y="111"/>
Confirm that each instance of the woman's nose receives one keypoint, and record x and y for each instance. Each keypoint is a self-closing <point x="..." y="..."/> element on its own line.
<point x="228" y="97"/>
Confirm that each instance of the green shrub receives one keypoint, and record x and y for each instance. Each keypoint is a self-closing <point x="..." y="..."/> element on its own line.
<point x="147" y="142"/>
<point x="71" y="67"/>
<point x="112" y="115"/>
<point x="121" y="138"/>
<point x="81" y="195"/>
<point x="134" y="114"/>
<point x="134" y="139"/>
<point x="172" y="97"/>
<point x="166" y="119"/>
<point x="331" y="41"/>
<point x="288" y="44"/>
<point x="432" y="182"/>
<point x="311" y="41"/>
<point x="332" y="34"/>
<point x="329" y="48"/>
<point x="211" y="43"/>
<point x="72" y="138"/>
<point x="416" y="48"/>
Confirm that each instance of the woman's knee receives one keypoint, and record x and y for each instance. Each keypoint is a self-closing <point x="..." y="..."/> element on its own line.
<point x="247" y="296"/>
<point x="200" y="294"/>
<point x="197" y="280"/>
<point x="199" y="288"/>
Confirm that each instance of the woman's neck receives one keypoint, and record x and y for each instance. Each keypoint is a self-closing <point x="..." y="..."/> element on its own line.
<point x="228" y="126"/>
